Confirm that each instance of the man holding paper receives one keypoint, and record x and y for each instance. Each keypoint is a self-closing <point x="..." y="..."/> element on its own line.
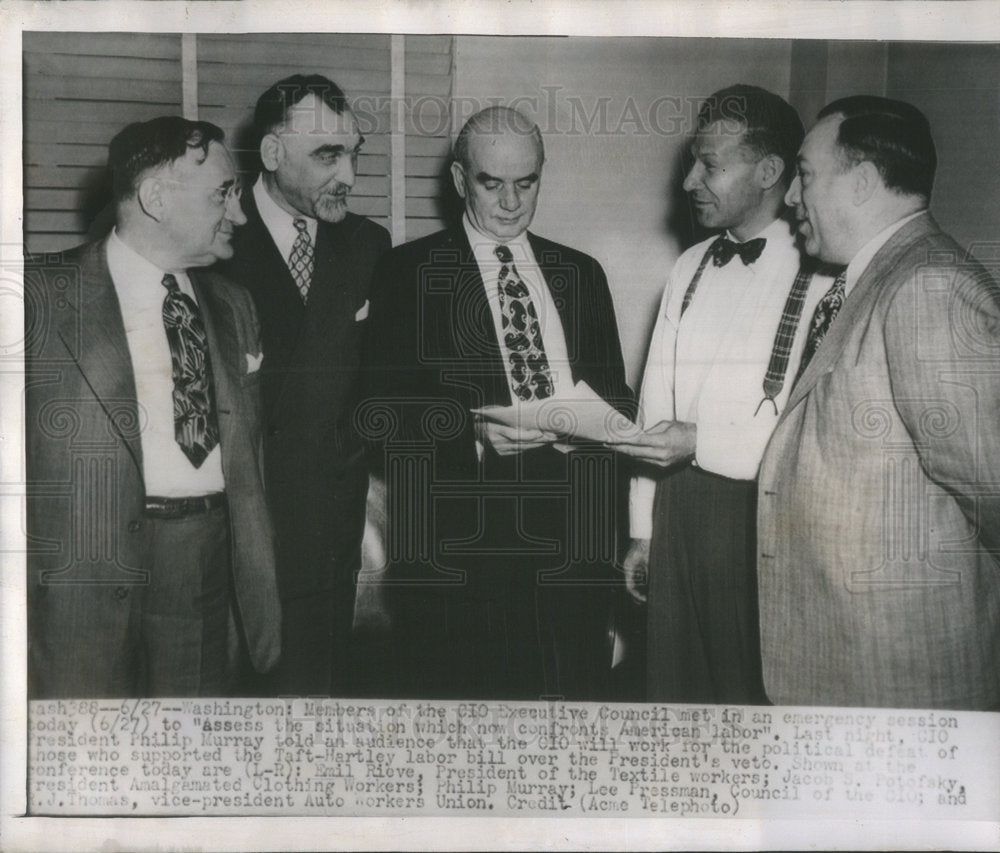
<point x="723" y="358"/>
<point x="502" y="535"/>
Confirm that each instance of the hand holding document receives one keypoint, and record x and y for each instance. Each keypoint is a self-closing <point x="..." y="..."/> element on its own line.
<point x="581" y="414"/>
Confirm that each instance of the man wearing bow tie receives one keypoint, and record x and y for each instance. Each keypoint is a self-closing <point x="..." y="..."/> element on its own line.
<point x="501" y="544"/>
<point x="723" y="358"/>
<point x="308" y="261"/>
<point x="149" y="537"/>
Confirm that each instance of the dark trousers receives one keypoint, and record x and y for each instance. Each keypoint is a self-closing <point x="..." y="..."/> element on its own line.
<point x="179" y="622"/>
<point x="703" y="623"/>
<point x="526" y="640"/>
<point x="319" y="556"/>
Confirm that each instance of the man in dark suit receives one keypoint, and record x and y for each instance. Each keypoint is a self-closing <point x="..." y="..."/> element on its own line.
<point x="879" y="507"/>
<point x="307" y="261"/>
<point x="500" y="544"/>
<point x="145" y="495"/>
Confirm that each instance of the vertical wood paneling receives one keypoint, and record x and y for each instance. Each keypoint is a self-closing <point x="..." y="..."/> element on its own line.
<point x="428" y="116"/>
<point x="398" y="158"/>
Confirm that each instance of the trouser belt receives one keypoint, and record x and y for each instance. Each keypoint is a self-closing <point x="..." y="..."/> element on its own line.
<point x="183" y="507"/>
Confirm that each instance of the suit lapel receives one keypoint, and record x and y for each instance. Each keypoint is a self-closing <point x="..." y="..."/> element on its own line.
<point x="550" y="265"/>
<point x="471" y="315"/>
<point x="224" y="354"/>
<point x="257" y="242"/>
<point x="102" y="353"/>
<point x="335" y="279"/>
<point x="859" y="303"/>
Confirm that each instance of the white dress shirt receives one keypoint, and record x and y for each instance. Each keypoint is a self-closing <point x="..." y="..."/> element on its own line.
<point x="167" y="472"/>
<point x="709" y="369"/>
<point x="859" y="263"/>
<point x="553" y="337"/>
<point x="279" y="223"/>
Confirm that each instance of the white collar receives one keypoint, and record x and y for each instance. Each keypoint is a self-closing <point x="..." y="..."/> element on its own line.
<point x="483" y="245"/>
<point x="278" y="221"/>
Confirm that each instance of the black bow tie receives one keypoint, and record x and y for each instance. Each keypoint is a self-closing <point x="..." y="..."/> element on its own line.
<point x="724" y="249"/>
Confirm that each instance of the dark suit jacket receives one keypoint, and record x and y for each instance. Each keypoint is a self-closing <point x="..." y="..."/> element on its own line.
<point x="433" y="356"/>
<point x="316" y="475"/>
<point x="879" y="509"/>
<point x="84" y="470"/>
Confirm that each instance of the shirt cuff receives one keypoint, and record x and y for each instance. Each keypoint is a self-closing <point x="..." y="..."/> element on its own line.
<point x="640" y="507"/>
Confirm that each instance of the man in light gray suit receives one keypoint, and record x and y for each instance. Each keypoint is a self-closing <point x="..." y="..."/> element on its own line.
<point x="879" y="502"/>
<point x="148" y="533"/>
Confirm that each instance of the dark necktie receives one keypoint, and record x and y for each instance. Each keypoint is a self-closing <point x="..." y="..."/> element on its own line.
<point x="300" y="260"/>
<point x="724" y="250"/>
<point x="721" y="252"/>
<point x="522" y="336"/>
<point x="826" y="311"/>
<point x="195" y="427"/>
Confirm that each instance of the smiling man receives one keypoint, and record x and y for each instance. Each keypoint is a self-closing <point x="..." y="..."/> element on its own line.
<point x="308" y="261"/>
<point x="501" y="545"/>
<point x="879" y="526"/>
<point x="144" y="468"/>
<point x="721" y="364"/>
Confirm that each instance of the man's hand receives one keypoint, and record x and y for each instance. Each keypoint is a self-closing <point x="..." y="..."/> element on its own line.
<point x="636" y="567"/>
<point x="507" y="441"/>
<point x="665" y="444"/>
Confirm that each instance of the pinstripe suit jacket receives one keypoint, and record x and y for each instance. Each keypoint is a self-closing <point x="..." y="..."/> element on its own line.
<point x="84" y="470"/>
<point x="879" y="517"/>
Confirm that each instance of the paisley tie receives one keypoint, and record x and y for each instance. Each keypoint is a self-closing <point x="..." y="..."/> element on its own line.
<point x="195" y="426"/>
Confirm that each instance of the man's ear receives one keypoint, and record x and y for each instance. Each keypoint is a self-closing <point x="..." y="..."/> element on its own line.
<point x="458" y="177"/>
<point x="272" y="152"/>
<point x="769" y="171"/>
<point x="866" y="180"/>
<point x="150" y="196"/>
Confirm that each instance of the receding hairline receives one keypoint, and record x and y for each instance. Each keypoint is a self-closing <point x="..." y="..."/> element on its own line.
<point x="497" y="122"/>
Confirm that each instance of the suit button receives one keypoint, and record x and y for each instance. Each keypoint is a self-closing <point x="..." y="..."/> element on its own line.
<point x="121" y="592"/>
<point x="134" y="526"/>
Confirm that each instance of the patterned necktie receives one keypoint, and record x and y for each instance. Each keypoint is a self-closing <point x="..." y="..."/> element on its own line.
<point x="300" y="261"/>
<point x="522" y="336"/>
<point x="195" y="427"/>
<point x="826" y="310"/>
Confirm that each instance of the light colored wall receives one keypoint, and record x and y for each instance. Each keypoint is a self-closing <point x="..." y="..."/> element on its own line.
<point x="613" y="189"/>
<point x="958" y="88"/>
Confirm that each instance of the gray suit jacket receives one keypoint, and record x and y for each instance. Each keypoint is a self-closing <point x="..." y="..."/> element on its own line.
<point x="84" y="470"/>
<point x="879" y="517"/>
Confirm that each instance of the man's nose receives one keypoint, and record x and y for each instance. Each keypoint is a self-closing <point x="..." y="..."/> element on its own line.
<point x="509" y="199"/>
<point x="692" y="179"/>
<point x="794" y="194"/>
<point x="234" y="211"/>
<point x="346" y="170"/>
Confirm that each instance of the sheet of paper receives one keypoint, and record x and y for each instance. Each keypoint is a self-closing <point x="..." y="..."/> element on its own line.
<point x="582" y="415"/>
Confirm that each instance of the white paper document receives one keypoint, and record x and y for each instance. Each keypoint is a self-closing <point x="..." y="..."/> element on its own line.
<point x="581" y="414"/>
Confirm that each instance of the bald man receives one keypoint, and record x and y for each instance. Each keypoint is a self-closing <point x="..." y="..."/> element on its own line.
<point x="502" y="544"/>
